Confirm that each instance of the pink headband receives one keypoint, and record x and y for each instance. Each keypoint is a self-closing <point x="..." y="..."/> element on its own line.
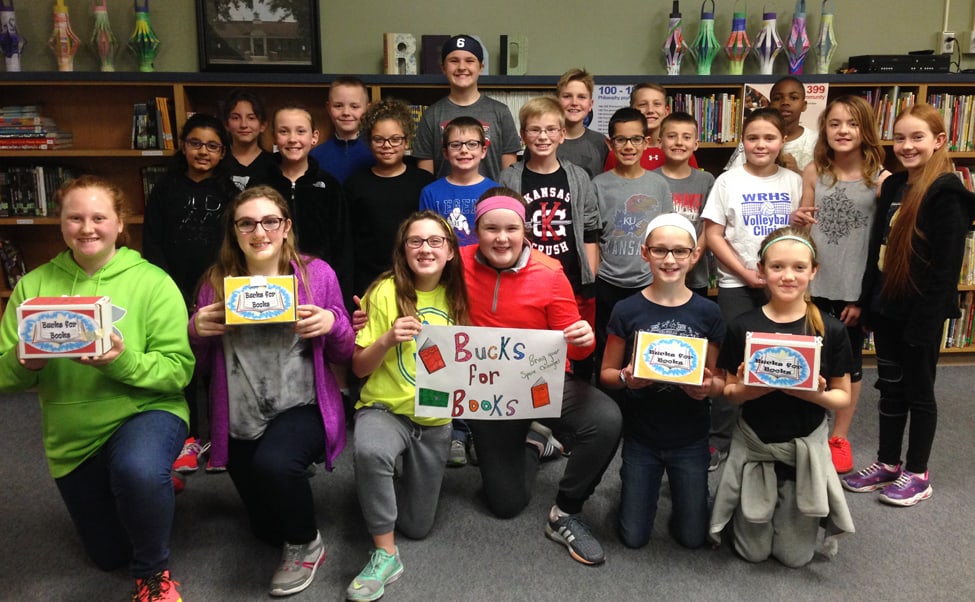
<point x="499" y="202"/>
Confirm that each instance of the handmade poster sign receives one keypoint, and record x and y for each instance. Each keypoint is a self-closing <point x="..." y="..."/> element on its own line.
<point x="669" y="358"/>
<point x="64" y="327"/>
<point x="489" y="373"/>
<point x="260" y="299"/>
<point x="782" y="361"/>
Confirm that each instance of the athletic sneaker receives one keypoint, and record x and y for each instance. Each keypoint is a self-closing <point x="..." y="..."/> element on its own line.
<point x="178" y="484"/>
<point x="909" y="489"/>
<point x="571" y="532"/>
<point x="214" y="469"/>
<point x="457" y="456"/>
<point x="158" y="588"/>
<point x="839" y="449"/>
<point x="717" y="457"/>
<point x="189" y="459"/>
<point x="548" y="448"/>
<point x="298" y="565"/>
<point x="872" y="477"/>
<point x="382" y="569"/>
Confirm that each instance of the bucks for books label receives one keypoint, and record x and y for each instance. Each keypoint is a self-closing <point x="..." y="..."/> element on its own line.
<point x="669" y="358"/>
<point x="64" y="327"/>
<point x="782" y="361"/>
<point x="260" y="299"/>
<point x="478" y="373"/>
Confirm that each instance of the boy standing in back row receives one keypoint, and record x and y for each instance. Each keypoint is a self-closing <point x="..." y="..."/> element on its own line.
<point x="651" y="100"/>
<point x="461" y="60"/>
<point x="345" y="153"/>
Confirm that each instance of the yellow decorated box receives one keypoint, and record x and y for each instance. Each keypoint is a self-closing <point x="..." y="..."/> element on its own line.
<point x="669" y="358"/>
<point x="64" y="327"/>
<point x="260" y="299"/>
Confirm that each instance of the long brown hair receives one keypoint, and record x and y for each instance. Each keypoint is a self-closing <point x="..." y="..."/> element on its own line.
<point x="814" y="318"/>
<point x="870" y="149"/>
<point x="901" y="240"/>
<point x="231" y="260"/>
<point x="404" y="280"/>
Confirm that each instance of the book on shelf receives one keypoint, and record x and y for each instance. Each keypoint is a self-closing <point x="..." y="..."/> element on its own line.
<point x="24" y="128"/>
<point x="31" y="191"/>
<point x="165" y="121"/>
<point x="967" y="275"/>
<point x="151" y="174"/>
<point x="152" y="125"/>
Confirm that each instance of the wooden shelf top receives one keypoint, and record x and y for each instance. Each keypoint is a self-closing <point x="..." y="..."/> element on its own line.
<point x="75" y="152"/>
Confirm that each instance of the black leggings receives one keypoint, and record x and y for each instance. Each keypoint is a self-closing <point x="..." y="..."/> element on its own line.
<point x="905" y="379"/>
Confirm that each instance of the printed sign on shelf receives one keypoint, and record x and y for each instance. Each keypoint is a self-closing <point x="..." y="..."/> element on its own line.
<point x="476" y="373"/>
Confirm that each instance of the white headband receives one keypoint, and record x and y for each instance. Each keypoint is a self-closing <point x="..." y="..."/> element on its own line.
<point x="671" y="219"/>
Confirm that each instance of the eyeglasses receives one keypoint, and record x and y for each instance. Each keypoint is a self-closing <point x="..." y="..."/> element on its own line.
<point x="270" y="223"/>
<point x="470" y="144"/>
<point x="393" y="141"/>
<point x="621" y="141"/>
<point x="435" y="242"/>
<point x="535" y="132"/>
<point x="197" y="144"/>
<point x="678" y="252"/>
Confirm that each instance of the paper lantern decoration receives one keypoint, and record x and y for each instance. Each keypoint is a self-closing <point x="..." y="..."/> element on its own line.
<point x="706" y="45"/>
<point x="11" y="41"/>
<point x="144" y="42"/>
<point x="103" y="39"/>
<point x="63" y="41"/>
<point x="826" y="43"/>
<point x="797" y="45"/>
<point x="768" y="44"/>
<point x="737" y="46"/>
<point x="674" y="47"/>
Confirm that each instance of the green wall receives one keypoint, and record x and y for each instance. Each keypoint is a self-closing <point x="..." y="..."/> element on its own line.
<point x="560" y="34"/>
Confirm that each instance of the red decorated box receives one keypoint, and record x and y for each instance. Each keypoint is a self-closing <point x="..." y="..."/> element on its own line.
<point x="782" y="361"/>
<point x="64" y="326"/>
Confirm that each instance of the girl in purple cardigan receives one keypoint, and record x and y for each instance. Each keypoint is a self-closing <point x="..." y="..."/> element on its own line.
<point x="275" y="406"/>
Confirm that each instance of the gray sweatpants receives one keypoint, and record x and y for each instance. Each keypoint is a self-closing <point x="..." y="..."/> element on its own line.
<point x="409" y="503"/>
<point x="791" y="537"/>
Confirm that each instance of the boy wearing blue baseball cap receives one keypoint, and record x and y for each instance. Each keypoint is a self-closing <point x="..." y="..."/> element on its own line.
<point x="461" y="59"/>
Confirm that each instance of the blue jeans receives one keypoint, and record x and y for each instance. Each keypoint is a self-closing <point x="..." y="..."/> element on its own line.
<point x="641" y="474"/>
<point x="121" y="499"/>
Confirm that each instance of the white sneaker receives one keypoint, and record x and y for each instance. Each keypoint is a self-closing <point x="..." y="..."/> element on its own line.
<point x="298" y="565"/>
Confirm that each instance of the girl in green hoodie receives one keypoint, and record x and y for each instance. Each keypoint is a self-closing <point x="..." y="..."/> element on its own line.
<point x="113" y="424"/>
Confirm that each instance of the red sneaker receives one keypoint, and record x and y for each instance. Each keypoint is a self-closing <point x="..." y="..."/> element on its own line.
<point x="189" y="458"/>
<point x="839" y="449"/>
<point x="178" y="485"/>
<point x="158" y="588"/>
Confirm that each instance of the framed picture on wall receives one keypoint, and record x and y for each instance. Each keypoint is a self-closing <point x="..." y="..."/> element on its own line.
<point x="259" y="35"/>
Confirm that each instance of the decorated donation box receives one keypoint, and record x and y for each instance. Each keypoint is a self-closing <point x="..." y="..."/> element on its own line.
<point x="260" y="299"/>
<point x="489" y="373"/>
<point x="64" y="326"/>
<point x="782" y="361"/>
<point x="669" y="358"/>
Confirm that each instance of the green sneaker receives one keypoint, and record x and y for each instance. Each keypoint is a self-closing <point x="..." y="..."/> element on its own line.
<point x="382" y="569"/>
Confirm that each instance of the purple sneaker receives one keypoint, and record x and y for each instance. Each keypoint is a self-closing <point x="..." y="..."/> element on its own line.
<point x="909" y="489"/>
<point x="872" y="477"/>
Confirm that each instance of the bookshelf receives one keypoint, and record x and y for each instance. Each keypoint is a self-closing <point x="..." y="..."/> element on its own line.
<point x="97" y="109"/>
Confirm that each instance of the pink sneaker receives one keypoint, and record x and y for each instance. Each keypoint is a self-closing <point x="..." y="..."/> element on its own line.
<point x="872" y="477"/>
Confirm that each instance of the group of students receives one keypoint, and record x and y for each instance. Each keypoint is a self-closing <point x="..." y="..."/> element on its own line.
<point x="597" y="237"/>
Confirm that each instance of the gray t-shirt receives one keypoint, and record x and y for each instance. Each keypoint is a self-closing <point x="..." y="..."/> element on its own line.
<point x="269" y="371"/>
<point x="626" y="206"/>
<point x="689" y="195"/>
<point x="499" y="128"/>
<point x="845" y="216"/>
